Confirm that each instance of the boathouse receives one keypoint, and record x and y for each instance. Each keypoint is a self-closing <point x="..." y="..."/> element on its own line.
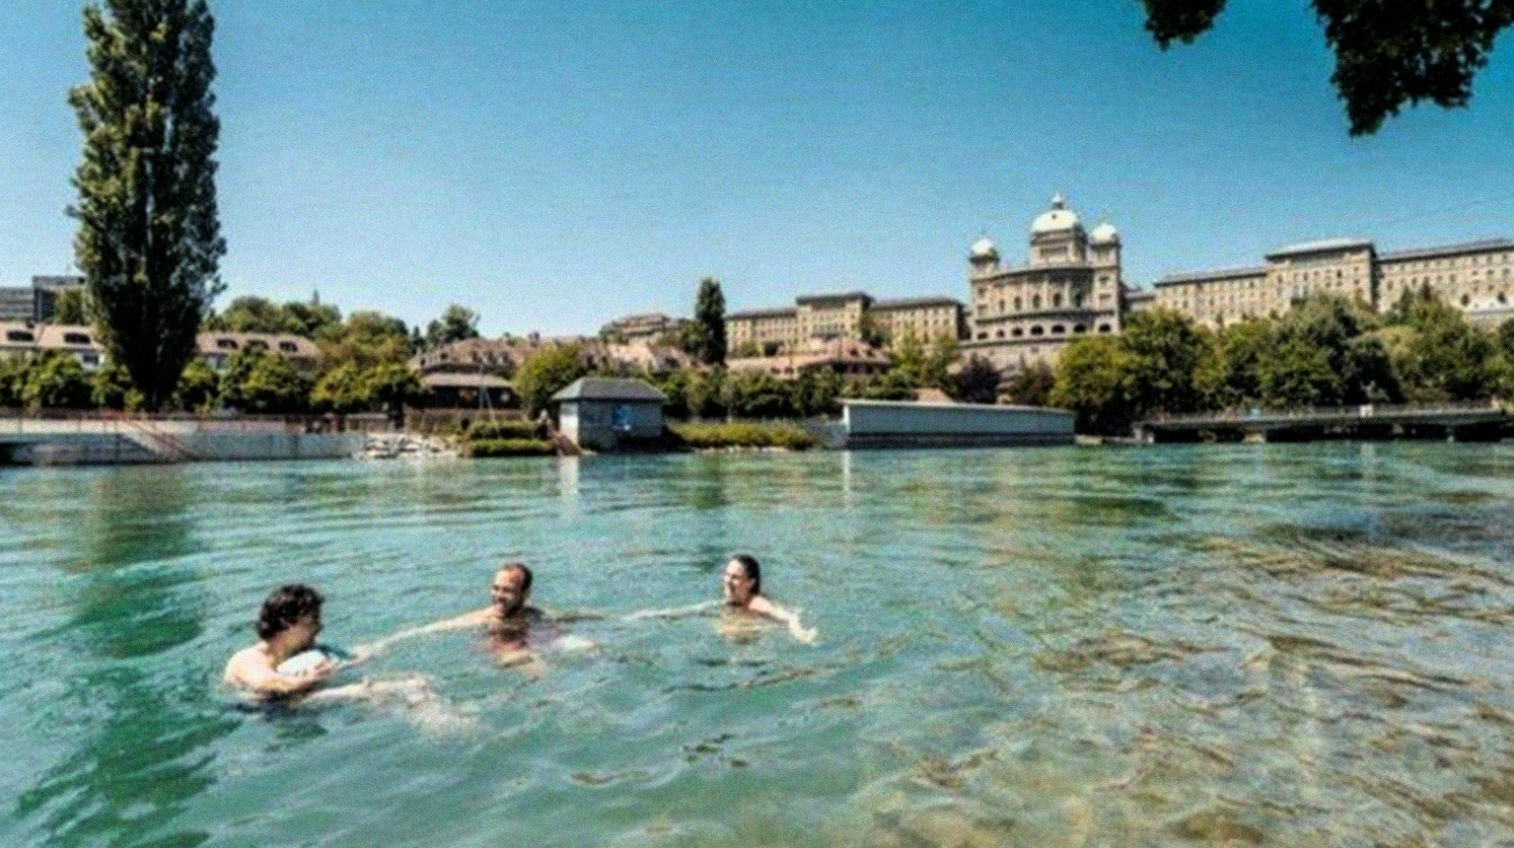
<point x="603" y="413"/>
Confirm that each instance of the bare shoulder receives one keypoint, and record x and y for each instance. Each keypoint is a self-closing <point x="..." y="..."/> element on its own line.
<point x="246" y="667"/>
<point x="762" y="606"/>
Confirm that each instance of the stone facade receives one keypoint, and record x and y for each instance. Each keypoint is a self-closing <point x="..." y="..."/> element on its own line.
<point x="1477" y="277"/>
<point x="1070" y="285"/>
<point x="923" y="318"/>
<point x="830" y="317"/>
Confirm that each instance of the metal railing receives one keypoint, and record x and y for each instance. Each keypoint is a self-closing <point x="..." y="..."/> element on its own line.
<point x="1359" y="411"/>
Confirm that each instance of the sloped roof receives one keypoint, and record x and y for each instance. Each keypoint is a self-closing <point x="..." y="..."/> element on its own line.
<point x="462" y="380"/>
<point x="610" y="388"/>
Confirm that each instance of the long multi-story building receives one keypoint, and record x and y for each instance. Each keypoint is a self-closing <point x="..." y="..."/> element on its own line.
<point x="1070" y="285"/>
<point x="1476" y="277"/>
<point x="826" y="317"/>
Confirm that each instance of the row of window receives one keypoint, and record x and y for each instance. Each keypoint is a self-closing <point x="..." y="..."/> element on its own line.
<point x="1483" y="259"/>
<point x="28" y="336"/>
<point x="1037" y="330"/>
<point x="1035" y="302"/>
<point x="256" y="344"/>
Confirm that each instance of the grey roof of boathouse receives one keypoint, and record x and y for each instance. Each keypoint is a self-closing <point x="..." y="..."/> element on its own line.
<point x="610" y="388"/>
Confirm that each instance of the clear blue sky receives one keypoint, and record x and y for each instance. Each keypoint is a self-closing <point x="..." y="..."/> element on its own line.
<point x="553" y="164"/>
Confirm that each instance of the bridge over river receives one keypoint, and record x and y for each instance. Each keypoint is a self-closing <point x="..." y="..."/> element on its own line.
<point x="1463" y="422"/>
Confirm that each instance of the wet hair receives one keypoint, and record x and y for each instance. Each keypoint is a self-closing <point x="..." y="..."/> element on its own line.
<point x="525" y="574"/>
<point x="752" y="570"/>
<point x="285" y="606"/>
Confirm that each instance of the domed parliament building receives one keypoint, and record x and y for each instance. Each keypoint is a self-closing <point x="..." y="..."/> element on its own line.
<point x="1070" y="285"/>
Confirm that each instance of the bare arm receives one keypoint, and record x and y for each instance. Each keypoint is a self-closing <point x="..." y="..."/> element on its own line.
<point x="673" y="612"/>
<point x="251" y="671"/>
<point x="477" y="618"/>
<point x="764" y="607"/>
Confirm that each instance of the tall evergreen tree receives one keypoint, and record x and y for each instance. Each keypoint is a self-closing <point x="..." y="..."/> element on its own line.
<point x="149" y="239"/>
<point x="709" y="316"/>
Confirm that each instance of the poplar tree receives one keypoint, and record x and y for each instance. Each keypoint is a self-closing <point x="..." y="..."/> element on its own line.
<point x="709" y="317"/>
<point x="149" y="239"/>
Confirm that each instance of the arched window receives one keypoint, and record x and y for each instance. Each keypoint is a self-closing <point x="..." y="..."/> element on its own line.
<point x="1017" y="332"/>
<point x="1079" y="328"/>
<point x="1035" y="330"/>
<point x="1057" y="329"/>
<point x="1056" y="299"/>
<point x="1035" y="301"/>
<point x="1103" y="328"/>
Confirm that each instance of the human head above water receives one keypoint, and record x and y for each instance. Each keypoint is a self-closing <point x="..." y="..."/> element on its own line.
<point x="285" y="606"/>
<point x="511" y="586"/>
<point x="743" y="566"/>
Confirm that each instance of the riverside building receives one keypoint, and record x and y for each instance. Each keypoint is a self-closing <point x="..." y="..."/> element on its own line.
<point x="1476" y="277"/>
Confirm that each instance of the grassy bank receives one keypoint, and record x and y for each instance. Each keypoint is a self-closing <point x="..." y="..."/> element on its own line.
<point x="741" y="434"/>
<point x="485" y="439"/>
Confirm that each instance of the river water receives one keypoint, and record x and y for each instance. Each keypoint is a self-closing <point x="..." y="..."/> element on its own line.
<point x="1257" y="644"/>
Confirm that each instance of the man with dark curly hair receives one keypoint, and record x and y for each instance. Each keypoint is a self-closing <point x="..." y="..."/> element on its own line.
<point x="287" y="624"/>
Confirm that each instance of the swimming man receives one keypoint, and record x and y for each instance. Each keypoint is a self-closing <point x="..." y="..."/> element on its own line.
<point x="506" y="621"/>
<point x="287" y="624"/>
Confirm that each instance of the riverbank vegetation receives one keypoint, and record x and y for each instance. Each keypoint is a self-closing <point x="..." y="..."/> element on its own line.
<point x="1328" y="351"/>
<point x="505" y="437"/>
<point x="711" y="435"/>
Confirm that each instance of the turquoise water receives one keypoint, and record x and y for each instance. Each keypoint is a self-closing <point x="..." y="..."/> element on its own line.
<point x="1290" y="644"/>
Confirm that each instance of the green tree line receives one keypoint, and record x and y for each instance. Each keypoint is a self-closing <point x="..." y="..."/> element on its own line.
<point x="1326" y="351"/>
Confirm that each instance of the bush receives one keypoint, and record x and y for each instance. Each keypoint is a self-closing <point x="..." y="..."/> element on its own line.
<point x="482" y="448"/>
<point x="742" y="434"/>
<point x="508" y="429"/>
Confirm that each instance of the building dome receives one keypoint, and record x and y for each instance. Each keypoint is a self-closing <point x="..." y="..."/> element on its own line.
<point x="984" y="248"/>
<point x="1055" y="219"/>
<point x="1104" y="233"/>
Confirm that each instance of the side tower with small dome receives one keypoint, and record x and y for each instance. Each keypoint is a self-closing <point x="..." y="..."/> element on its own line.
<point x="1070" y="285"/>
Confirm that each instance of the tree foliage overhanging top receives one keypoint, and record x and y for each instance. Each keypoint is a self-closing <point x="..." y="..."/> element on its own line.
<point x="1388" y="53"/>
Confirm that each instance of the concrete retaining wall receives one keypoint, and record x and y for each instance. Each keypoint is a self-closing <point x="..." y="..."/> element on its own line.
<point x="880" y="423"/>
<point x="173" y="444"/>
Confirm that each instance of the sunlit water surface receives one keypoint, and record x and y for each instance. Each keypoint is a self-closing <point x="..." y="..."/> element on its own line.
<point x="1287" y="645"/>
